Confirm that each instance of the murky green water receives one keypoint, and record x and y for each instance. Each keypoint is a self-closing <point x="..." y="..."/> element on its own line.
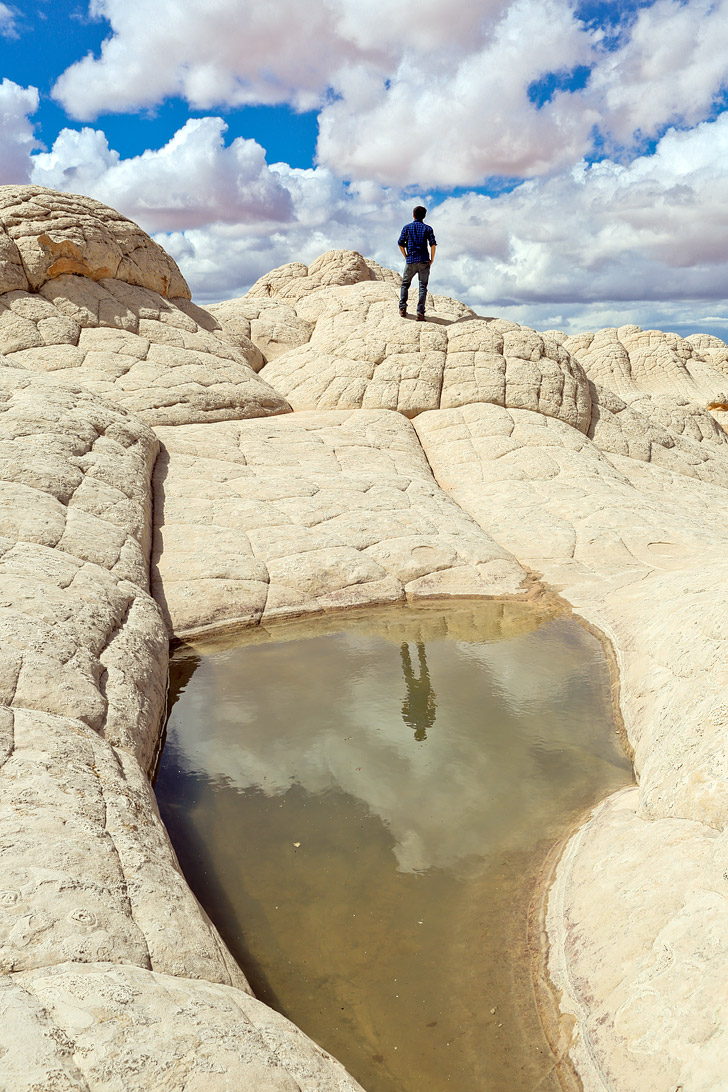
<point x="364" y="814"/>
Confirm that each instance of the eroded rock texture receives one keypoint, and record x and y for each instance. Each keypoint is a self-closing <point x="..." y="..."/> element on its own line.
<point x="644" y="906"/>
<point x="361" y="354"/>
<point x="44" y="234"/>
<point x="167" y="361"/>
<point x="638" y="550"/>
<point x="308" y="513"/>
<point x="270" y="326"/>
<point x="76" y="1028"/>
<point x="81" y="636"/>
<point x="452" y="458"/>
<point x="629" y="361"/>
<point x="110" y="974"/>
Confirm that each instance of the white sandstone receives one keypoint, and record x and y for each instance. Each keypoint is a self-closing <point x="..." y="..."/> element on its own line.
<point x="308" y="513"/>
<point x="596" y="462"/>
<point x="111" y="976"/>
<point x="44" y="234"/>
<point x="362" y="354"/>
<point x="167" y="361"/>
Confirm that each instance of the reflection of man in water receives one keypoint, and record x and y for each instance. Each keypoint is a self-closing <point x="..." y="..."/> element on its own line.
<point x="419" y="707"/>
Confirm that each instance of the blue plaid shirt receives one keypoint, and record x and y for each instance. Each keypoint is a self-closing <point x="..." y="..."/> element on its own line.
<point x="414" y="238"/>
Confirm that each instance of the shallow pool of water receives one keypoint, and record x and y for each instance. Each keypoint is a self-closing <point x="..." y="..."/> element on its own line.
<point x="364" y="813"/>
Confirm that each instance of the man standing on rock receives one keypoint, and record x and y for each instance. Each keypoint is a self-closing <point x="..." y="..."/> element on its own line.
<point x="413" y="242"/>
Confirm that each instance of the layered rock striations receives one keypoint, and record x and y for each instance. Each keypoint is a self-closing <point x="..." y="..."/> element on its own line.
<point x="317" y="452"/>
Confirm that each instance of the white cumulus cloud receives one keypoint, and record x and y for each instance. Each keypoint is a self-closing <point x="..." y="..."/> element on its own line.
<point x="617" y="243"/>
<point x="435" y="96"/>
<point x="17" y="133"/>
<point x="222" y="52"/>
<point x="596" y="244"/>
<point x="194" y="179"/>
<point x="456" y="120"/>
<point x="670" y="69"/>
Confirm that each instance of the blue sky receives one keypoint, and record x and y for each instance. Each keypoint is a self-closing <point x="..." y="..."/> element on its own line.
<point x="573" y="155"/>
<point x="49" y="38"/>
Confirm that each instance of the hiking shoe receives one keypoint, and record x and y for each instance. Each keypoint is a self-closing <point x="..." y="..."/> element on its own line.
<point x="403" y="312"/>
<point x="420" y="318"/>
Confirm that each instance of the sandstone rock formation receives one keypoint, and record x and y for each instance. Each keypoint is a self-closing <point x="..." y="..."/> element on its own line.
<point x="269" y="326"/>
<point x="165" y="360"/>
<point x="605" y="472"/>
<point x="362" y="355"/>
<point x="44" y="234"/>
<point x="630" y="360"/>
<point x="637" y="549"/>
<point x="111" y="976"/>
<point x="308" y="513"/>
<point x="456" y="458"/>
<point x="644" y="909"/>
<point x="305" y="287"/>
<point x="87" y="297"/>
<point x="336" y="267"/>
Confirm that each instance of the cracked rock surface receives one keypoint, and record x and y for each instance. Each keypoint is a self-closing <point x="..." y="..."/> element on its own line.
<point x="318" y="452"/>
<point x="44" y="233"/>
<point x="307" y="513"/>
<point x="79" y="1027"/>
<point x="363" y="355"/>
<point x="167" y="361"/>
<point x="639" y="551"/>
<point x="642" y="910"/>
<point x="628" y="361"/>
<point x="111" y="976"/>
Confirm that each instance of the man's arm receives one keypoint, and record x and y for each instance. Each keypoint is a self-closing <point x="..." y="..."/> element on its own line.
<point x="433" y="243"/>
<point x="404" y="252"/>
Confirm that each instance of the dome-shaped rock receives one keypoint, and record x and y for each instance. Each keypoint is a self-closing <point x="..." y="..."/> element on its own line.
<point x="631" y="361"/>
<point x="44" y="234"/>
<point x="272" y="326"/>
<point x="335" y="267"/>
<point x="362" y="354"/>
<point x="167" y="361"/>
<point x="89" y="301"/>
<point x="296" y="283"/>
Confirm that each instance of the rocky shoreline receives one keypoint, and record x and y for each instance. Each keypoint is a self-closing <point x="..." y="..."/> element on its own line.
<point x="319" y="453"/>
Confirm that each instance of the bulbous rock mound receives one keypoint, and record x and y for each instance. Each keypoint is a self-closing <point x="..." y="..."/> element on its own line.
<point x="271" y="326"/>
<point x="631" y="362"/>
<point x="296" y="283"/>
<point x="334" y="268"/>
<point x="90" y="299"/>
<point x="362" y="354"/>
<point x="597" y="461"/>
<point x="44" y="234"/>
<point x="93" y="904"/>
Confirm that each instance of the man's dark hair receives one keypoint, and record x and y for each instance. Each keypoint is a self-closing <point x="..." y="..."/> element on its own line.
<point x="419" y="213"/>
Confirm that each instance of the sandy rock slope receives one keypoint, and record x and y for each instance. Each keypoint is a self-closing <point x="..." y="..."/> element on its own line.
<point x="112" y="976"/>
<point x="598" y="462"/>
<point x="318" y="452"/>
<point x="308" y="513"/>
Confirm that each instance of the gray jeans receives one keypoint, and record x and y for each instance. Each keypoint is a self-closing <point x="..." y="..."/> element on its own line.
<point x="422" y="269"/>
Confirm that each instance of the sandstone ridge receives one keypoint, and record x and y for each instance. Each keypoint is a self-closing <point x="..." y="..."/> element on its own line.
<point x="296" y="452"/>
<point x="44" y="234"/>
